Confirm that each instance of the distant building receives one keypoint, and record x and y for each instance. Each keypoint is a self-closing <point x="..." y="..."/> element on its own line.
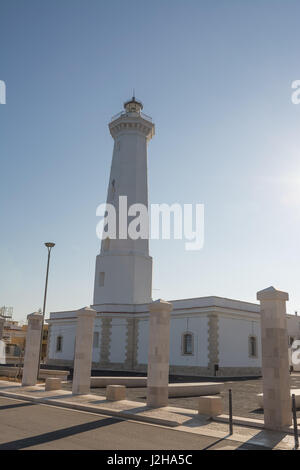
<point x="6" y="312"/>
<point x="14" y="336"/>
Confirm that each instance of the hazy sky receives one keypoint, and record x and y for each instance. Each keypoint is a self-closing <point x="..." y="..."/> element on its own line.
<point x="216" y="78"/>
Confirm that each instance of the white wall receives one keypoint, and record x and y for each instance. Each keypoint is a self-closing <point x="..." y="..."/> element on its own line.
<point x="68" y="333"/>
<point x="197" y="325"/>
<point x="233" y="342"/>
<point x="118" y="340"/>
<point x="142" y="353"/>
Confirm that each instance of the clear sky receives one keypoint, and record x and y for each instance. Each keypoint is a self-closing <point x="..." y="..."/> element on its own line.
<point x="216" y="78"/>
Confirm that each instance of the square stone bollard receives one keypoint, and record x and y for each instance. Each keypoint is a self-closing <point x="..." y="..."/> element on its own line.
<point x="83" y="351"/>
<point x="210" y="405"/>
<point x="115" y="392"/>
<point x="52" y="383"/>
<point x="32" y="349"/>
<point x="275" y="360"/>
<point x="158" y="355"/>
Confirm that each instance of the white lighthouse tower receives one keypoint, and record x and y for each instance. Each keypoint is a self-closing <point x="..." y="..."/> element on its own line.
<point x="124" y="268"/>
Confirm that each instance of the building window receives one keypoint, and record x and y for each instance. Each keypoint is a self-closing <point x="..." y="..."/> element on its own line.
<point x="59" y="342"/>
<point x="187" y="344"/>
<point x="291" y="340"/>
<point x="252" y="346"/>
<point x="101" y="279"/>
<point x="96" y="339"/>
<point x="113" y="188"/>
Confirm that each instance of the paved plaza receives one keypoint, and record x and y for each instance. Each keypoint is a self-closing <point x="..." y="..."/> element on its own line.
<point x="244" y="393"/>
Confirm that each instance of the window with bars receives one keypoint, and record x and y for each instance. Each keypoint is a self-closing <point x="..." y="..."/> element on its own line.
<point x="291" y="340"/>
<point x="187" y="343"/>
<point x="101" y="279"/>
<point x="96" y="339"/>
<point x="59" y="343"/>
<point x="252" y="346"/>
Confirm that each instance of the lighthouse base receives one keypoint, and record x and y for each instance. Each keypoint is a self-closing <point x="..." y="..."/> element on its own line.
<point x="123" y="279"/>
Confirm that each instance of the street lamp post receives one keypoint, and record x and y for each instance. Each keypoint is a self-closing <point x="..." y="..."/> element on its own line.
<point x="49" y="246"/>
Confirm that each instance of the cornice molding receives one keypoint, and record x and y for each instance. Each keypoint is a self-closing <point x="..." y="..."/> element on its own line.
<point x="132" y="124"/>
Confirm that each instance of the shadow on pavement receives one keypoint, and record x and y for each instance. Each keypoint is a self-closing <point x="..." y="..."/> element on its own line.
<point x="55" y="435"/>
<point x="15" y="405"/>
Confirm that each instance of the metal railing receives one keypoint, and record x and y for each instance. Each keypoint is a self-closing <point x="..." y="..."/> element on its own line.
<point x="125" y="114"/>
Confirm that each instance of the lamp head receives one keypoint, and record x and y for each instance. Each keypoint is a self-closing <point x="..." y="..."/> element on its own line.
<point x="49" y="244"/>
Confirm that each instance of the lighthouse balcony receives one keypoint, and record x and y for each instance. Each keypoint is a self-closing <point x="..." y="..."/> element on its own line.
<point x="124" y="114"/>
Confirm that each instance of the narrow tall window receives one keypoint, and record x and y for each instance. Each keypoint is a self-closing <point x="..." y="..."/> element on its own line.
<point x="113" y="188"/>
<point x="96" y="339"/>
<point x="101" y="279"/>
<point x="59" y="342"/>
<point x="252" y="346"/>
<point x="187" y="344"/>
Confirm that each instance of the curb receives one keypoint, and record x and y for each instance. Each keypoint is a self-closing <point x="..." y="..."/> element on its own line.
<point x="92" y="409"/>
<point x="249" y="423"/>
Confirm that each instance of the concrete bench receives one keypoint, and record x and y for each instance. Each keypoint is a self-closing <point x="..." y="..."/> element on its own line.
<point x="115" y="392"/>
<point x="9" y="371"/>
<point x="60" y="374"/>
<point x="195" y="389"/>
<point x="52" y="383"/>
<point x="210" y="406"/>
<point x="44" y="373"/>
<point x="134" y="382"/>
<point x="295" y="391"/>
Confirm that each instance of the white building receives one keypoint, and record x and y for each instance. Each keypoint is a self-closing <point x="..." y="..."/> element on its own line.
<point x="208" y="334"/>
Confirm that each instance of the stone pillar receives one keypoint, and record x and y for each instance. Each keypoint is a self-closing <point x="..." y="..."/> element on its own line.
<point x="83" y="351"/>
<point x="159" y="351"/>
<point x="275" y="361"/>
<point x="2" y="321"/>
<point x="32" y="349"/>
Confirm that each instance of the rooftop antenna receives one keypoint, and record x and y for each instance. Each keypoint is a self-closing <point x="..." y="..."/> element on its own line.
<point x="133" y="96"/>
